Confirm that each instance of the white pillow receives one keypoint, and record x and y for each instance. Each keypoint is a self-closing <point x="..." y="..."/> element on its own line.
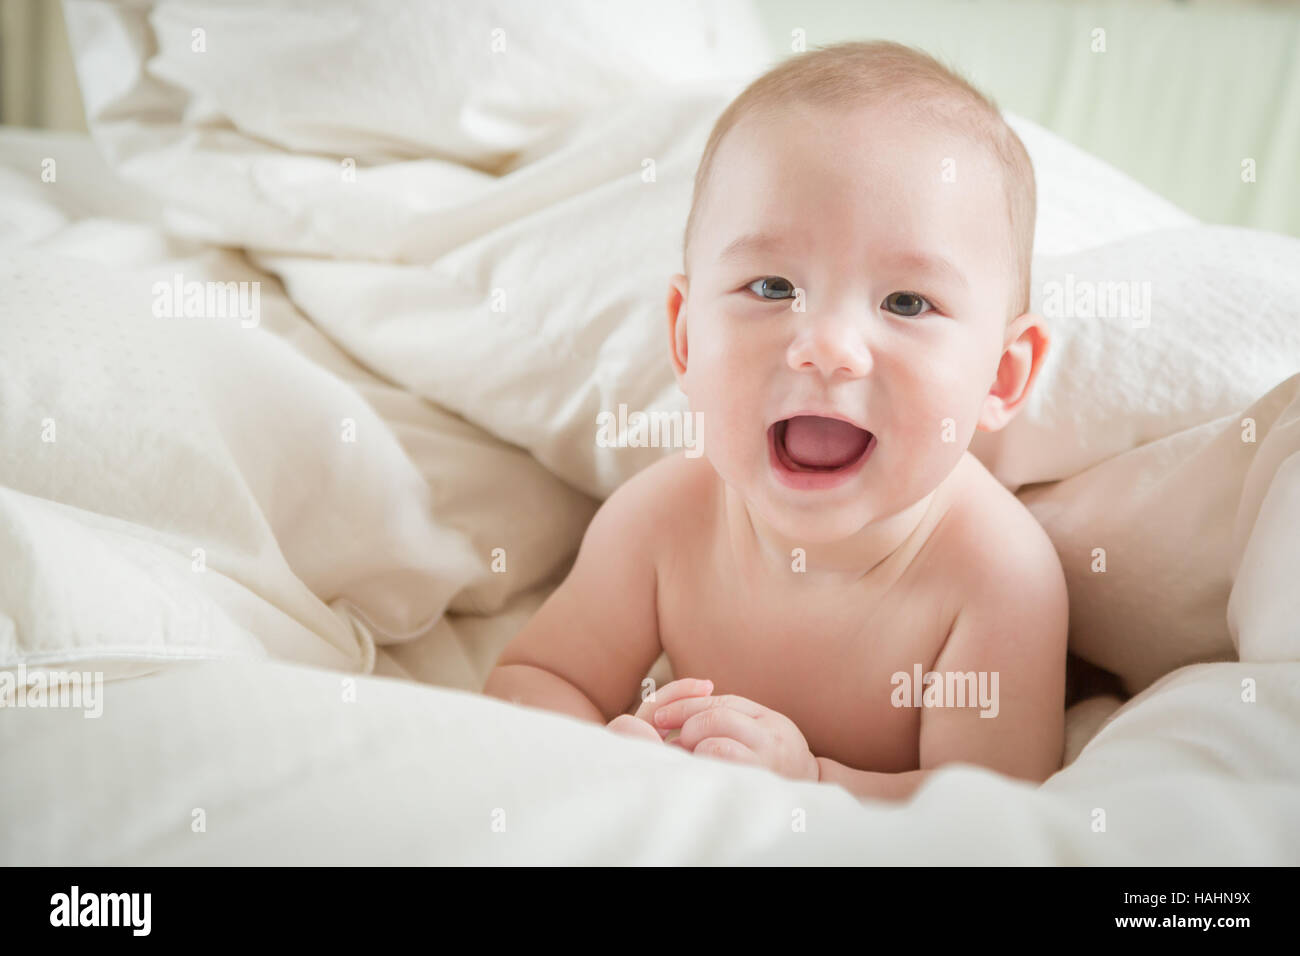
<point x="1084" y="201"/>
<point x="1151" y="542"/>
<point x="1150" y="335"/>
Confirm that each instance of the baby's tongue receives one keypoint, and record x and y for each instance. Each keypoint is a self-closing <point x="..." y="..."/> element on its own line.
<point x="815" y="442"/>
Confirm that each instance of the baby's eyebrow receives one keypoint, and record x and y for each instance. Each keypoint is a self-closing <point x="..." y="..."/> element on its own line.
<point x="750" y="243"/>
<point x="926" y="262"/>
<point x="910" y="261"/>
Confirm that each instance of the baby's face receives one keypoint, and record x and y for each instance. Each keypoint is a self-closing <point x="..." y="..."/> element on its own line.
<point x="840" y="366"/>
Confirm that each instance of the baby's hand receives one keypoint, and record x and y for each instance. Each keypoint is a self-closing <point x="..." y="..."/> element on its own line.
<point x="640" y="726"/>
<point x="737" y="729"/>
<point x="630" y="726"/>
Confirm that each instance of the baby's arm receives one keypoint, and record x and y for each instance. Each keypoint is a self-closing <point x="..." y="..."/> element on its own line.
<point x="1015" y="623"/>
<point x="587" y="649"/>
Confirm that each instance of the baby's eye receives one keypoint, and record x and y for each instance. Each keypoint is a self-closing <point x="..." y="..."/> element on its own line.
<point x="905" y="303"/>
<point x="772" y="287"/>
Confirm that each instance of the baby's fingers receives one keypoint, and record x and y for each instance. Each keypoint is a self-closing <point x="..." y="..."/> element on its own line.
<point x="630" y="726"/>
<point x="722" y="722"/>
<point x="724" y="748"/>
<point x="673" y="714"/>
<point x="676" y="690"/>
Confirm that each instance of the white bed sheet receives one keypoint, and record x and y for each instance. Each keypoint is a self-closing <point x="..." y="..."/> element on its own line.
<point x="285" y="771"/>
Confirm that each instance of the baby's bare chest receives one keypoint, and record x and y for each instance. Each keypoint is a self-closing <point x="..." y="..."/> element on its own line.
<point x="824" y="659"/>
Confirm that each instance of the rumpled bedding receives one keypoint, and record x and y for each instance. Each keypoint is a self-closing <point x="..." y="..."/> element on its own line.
<point x="294" y="548"/>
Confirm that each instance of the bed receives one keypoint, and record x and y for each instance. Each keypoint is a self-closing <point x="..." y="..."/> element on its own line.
<point x="292" y="537"/>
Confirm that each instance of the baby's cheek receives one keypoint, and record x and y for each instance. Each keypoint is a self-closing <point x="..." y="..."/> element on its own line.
<point x="724" y="394"/>
<point x="943" y="404"/>
<point x="737" y="448"/>
<point x="936" y="434"/>
<point x="729" y="444"/>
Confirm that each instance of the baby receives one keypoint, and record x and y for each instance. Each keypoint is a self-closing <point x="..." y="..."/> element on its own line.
<point x="843" y="590"/>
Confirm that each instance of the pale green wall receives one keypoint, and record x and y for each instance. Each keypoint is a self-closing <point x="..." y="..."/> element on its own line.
<point x="1183" y="93"/>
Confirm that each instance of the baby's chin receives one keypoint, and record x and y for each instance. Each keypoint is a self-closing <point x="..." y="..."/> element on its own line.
<point x="808" y="518"/>
<point x="821" y="524"/>
<point x="829" y="516"/>
<point x="813" y="516"/>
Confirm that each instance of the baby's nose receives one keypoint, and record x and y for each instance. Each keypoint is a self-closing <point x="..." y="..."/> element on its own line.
<point x="832" y="348"/>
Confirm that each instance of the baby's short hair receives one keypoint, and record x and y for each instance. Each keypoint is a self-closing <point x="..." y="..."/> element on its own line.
<point x="860" y="72"/>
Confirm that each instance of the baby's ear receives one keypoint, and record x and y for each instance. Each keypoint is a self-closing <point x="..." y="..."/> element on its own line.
<point x="1022" y="357"/>
<point x="678" y="287"/>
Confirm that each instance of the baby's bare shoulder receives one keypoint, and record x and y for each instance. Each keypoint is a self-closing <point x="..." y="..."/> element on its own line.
<point x="673" y="497"/>
<point x="1013" y="626"/>
<point x="988" y="535"/>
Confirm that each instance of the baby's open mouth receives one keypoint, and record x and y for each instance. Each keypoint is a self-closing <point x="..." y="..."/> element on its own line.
<point x="810" y="443"/>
